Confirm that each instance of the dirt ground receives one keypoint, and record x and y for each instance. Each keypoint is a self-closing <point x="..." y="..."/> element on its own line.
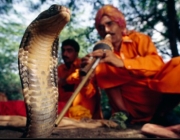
<point x="100" y="132"/>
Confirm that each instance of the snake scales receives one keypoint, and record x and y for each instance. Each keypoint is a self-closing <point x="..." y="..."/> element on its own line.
<point x="37" y="64"/>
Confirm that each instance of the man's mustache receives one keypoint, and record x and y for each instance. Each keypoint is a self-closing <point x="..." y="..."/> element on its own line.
<point x="65" y="57"/>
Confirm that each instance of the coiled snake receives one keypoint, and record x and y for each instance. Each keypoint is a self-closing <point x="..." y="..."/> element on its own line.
<point x="37" y="63"/>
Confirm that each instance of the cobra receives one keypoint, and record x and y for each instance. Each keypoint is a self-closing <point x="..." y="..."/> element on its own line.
<point x="37" y="64"/>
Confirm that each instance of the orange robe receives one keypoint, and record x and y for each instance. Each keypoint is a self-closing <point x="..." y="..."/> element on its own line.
<point x="142" y="79"/>
<point x="167" y="79"/>
<point x="89" y="97"/>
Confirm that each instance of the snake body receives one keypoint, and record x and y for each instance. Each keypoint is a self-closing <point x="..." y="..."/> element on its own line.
<point x="37" y="64"/>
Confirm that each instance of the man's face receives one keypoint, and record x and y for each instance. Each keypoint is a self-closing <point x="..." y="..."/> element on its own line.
<point x="108" y="26"/>
<point x="69" y="54"/>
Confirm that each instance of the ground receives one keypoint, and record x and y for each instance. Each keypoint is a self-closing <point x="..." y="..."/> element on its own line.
<point x="100" y="132"/>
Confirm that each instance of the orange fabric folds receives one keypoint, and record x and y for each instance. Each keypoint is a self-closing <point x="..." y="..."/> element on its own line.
<point x="88" y="97"/>
<point x="107" y="76"/>
<point x="79" y="112"/>
<point x="167" y="80"/>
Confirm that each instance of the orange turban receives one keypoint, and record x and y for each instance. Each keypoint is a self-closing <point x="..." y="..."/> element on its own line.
<point x="113" y="13"/>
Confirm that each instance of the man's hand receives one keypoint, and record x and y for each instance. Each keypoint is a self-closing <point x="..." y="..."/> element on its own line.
<point x="86" y="64"/>
<point x="108" y="56"/>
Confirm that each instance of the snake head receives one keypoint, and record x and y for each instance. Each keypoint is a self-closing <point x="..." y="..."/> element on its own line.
<point x="51" y="21"/>
<point x="54" y="10"/>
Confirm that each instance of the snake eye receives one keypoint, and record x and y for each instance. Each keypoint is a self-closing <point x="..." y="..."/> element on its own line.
<point x="52" y="7"/>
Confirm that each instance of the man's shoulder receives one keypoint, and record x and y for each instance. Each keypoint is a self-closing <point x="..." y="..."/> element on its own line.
<point x="136" y="35"/>
<point x="134" y="32"/>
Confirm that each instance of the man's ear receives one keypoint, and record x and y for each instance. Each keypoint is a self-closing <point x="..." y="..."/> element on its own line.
<point x="77" y="53"/>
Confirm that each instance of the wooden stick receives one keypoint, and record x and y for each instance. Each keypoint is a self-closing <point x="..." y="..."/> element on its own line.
<point x="68" y="104"/>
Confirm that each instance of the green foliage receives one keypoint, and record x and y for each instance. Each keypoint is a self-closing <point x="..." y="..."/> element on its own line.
<point x="9" y="44"/>
<point x="5" y="6"/>
<point x="177" y="110"/>
<point x="120" y="118"/>
<point x="147" y="15"/>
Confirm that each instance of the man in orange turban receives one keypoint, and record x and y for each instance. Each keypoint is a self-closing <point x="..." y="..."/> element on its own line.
<point x="133" y="75"/>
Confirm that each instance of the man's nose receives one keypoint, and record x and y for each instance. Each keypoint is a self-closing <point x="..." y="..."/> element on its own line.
<point x="65" y="53"/>
<point x="107" y="29"/>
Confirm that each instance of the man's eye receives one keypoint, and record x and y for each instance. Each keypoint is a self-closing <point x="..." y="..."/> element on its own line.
<point x="109" y="23"/>
<point x="70" y="50"/>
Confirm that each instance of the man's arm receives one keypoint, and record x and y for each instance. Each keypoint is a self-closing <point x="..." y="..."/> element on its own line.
<point x="147" y="62"/>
